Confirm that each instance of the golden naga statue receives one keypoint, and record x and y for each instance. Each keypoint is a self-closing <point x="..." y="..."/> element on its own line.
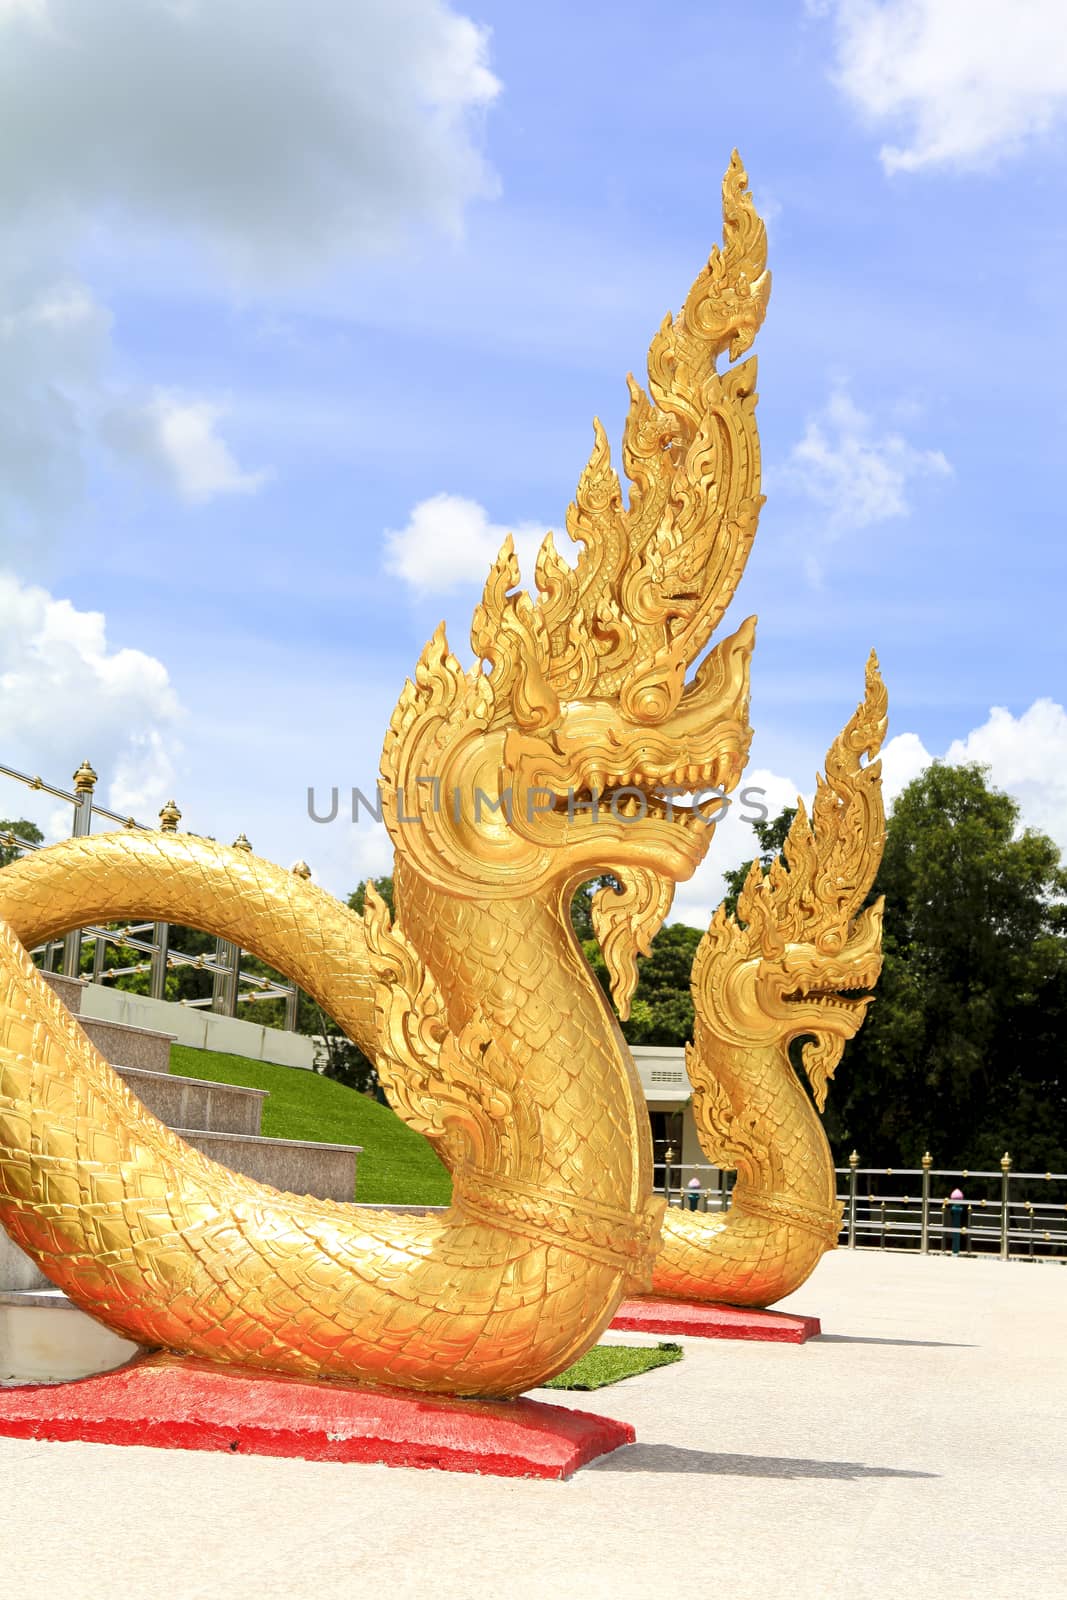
<point x="558" y="757"/>
<point x="787" y="968"/>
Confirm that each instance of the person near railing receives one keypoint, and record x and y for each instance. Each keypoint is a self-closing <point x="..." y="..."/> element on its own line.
<point x="956" y="1218"/>
<point x="693" y="1193"/>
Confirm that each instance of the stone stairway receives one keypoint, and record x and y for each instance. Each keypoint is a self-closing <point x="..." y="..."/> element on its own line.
<point x="220" y="1119"/>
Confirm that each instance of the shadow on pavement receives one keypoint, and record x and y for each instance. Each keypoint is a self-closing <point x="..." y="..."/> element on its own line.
<point x="858" y="1338"/>
<point x="675" y="1458"/>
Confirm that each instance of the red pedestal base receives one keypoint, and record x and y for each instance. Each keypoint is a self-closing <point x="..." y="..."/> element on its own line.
<point x="187" y="1405"/>
<point x="704" y="1320"/>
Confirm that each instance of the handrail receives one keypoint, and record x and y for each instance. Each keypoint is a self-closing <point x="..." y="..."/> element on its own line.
<point x="225" y="968"/>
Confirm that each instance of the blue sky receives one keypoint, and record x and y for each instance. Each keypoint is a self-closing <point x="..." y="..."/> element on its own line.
<point x="277" y="277"/>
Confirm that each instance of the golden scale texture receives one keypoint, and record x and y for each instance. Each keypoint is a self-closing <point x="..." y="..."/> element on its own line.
<point x="504" y="787"/>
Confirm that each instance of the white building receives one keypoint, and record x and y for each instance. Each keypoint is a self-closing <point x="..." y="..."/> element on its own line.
<point x="669" y="1095"/>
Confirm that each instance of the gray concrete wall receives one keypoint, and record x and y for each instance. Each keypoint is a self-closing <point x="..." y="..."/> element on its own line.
<point x="201" y="1029"/>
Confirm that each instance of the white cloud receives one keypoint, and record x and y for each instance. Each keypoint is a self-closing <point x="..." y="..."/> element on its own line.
<point x="269" y="139"/>
<point x="176" y="436"/>
<point x="53" y="341"/>
<point x="966" y="81"/>
<point x="449" y="541"/>
<point x="269" y="133"/>
<point x="65" y="693"/>
<point x="903" y="758"/>
<point x="1026" y="756"/>
<point x="860" y="475"/>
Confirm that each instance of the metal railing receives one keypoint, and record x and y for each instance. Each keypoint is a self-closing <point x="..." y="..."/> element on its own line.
<point x="962" y="1211"/>
<point x="692" y="1185"/>
<point x="1003" y="1213"/>
<point x="233" y="984"/>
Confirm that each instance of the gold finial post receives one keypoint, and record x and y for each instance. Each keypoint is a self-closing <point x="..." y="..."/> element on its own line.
<point x="226" y="987"/>
<point x="1005" y="1183"/>
<point x="84" y="784"/>
<point x="169" y="817"/>
<point x="924" y="1234"/>
<point x="853" y="1179"/>
<point x="668" y="1162"/>
<point x="85" y="778"/>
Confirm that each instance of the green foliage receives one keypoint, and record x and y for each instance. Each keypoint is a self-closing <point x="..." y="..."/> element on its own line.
<point x="358" y="898"/>
<point x="397" y="1166"/>
<point x="963" y="1050"/>
<point x="182" y="982"/>
<point x="661" y="1011"/>
<point x="23" y="830"/>
<point x="609" y="1363"/>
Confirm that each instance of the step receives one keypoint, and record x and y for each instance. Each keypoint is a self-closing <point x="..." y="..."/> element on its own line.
<point x="69" y="990"/>
<point x="127" y="1046"/>
<point x="120" y="1042"/>
<point x="197" y="1103"/>
<point x="296" y="1166"/>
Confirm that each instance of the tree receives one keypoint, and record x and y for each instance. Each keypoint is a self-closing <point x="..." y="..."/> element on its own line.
<point x="358" y="898"/>
<point x="661" y="1011"/>
<point x="23" y="830"/>
<point x="962" y="1051"/>
<point x="337" y="1056"/>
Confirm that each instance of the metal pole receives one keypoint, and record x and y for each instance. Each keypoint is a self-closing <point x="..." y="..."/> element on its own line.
<point x="169" y="818"/>
<point x="233" y="979"/>
<point x="219" y="977"/>
<point x="292" y="1000"/>
<point x="924" y="1231"/>
<point x="99" y="958"/>
<point x="853" y="1162"/>
<point x="1005" y="1179"/>
<point x="668" y="1158"/>
<point x="84" y="784"/>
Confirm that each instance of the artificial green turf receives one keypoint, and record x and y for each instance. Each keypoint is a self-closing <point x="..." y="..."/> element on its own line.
<point x="397" y="1165"/>
<point x="609" y="1363"/>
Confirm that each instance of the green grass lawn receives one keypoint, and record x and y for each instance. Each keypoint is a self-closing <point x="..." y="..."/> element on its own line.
<point x="609" y="1363"/>
<point x="397" y="1164"/>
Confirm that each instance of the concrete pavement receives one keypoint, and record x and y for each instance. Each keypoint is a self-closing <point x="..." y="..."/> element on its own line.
<point x="919" y="1446"/>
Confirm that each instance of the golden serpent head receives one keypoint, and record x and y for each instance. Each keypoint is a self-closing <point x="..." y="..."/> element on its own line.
<point x="800" y="956"/>
<point x="547" y="762"/>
